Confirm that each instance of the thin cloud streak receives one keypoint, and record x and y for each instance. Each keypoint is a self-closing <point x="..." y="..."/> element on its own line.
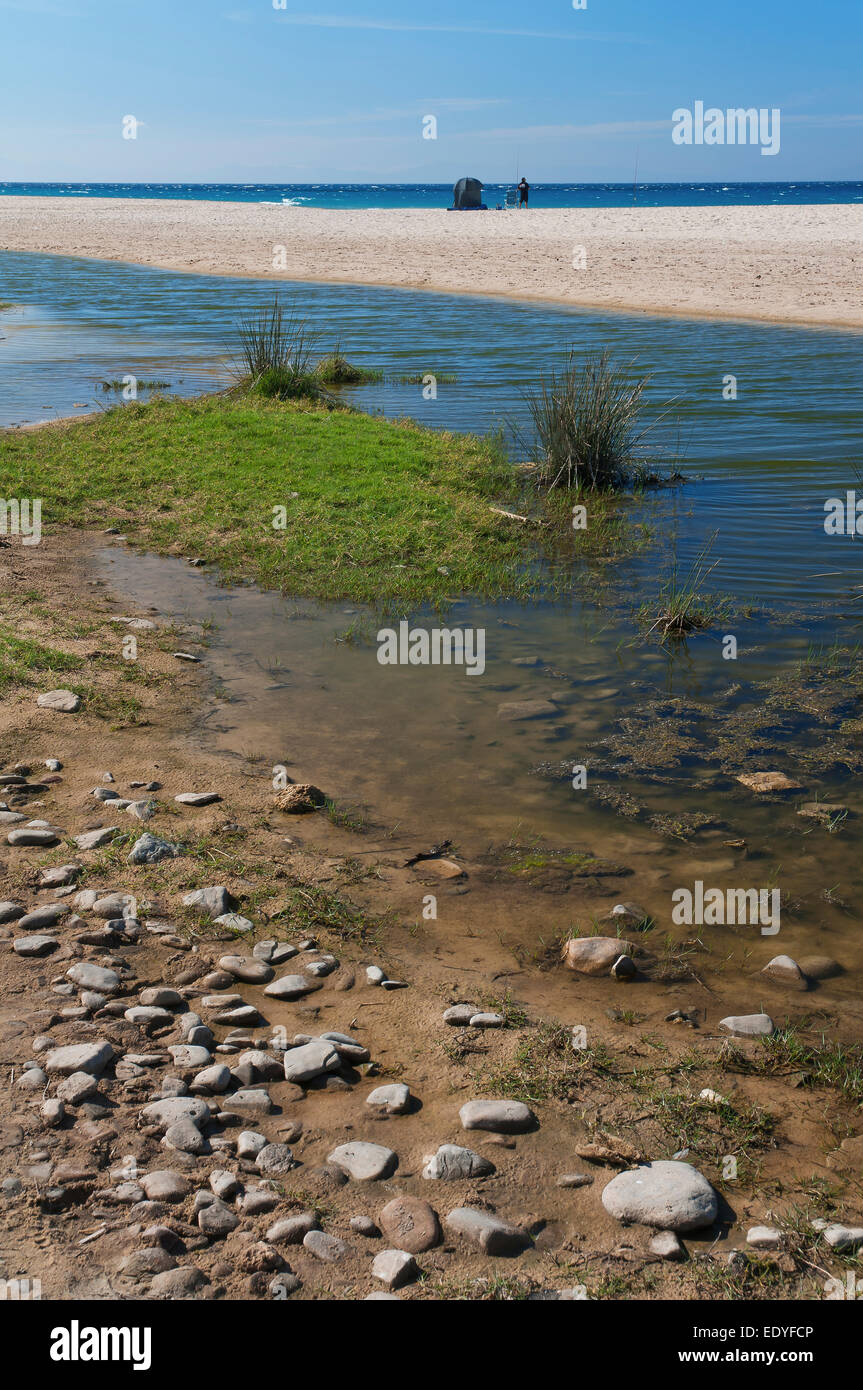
<point x="394" y="26"/>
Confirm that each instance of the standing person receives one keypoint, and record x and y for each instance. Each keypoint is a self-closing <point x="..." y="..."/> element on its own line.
<point x="524" y="192"/>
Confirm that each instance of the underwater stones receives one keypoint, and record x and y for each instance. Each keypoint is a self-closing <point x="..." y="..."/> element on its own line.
<point x="768" y="782"/>
<point x="515" y="711"/>
<point x="594" y="955"/>
<point x="670" y="1195"/>
<point x="824" y="811"/>
<point x="785" y="971"/>
<point x="820" y="967"/>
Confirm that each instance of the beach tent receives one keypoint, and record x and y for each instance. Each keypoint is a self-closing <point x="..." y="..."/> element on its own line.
<point x="467" y="196"/>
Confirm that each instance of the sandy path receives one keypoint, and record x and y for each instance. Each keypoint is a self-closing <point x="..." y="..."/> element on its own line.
<point x="792" y="264"/>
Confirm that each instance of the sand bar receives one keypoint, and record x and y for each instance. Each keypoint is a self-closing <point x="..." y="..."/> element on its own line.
<point x="796" y="264"/>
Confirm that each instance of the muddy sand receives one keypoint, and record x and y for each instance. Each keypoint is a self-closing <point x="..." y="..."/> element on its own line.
<point x="83" y="1206"/>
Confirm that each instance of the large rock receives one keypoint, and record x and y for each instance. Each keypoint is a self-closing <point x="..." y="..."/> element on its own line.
<point x="91" y="1057"/>
<point x="500" y="1116"/>
<point x="491" y="1235"/>
<point x="44" y="917"/>
<point x="247" y="969"/>
<point x="290" y="986"/>
<point x="594" y="955"/>
<point x="310" y="1061"/>
<point x="410" y="1224"/>
<point x="667" y="1195"/>
<point x="86" y="975"/>
<point x="364" y="1162"/>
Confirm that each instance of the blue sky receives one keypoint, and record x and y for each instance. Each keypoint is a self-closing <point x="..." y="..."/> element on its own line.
<point x="241" y="91"/>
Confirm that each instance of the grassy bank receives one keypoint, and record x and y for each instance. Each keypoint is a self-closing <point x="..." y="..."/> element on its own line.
<point x="374" y="510"/>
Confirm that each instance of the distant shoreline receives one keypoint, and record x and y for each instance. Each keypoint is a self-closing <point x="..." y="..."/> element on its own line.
<point x="796" y="264"/>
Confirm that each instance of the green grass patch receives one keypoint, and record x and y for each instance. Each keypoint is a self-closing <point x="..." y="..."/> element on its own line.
<point x="24" y="661"/>
<point x="373" y="511"/>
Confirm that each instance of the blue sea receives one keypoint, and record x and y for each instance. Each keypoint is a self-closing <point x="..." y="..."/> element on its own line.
<point x="438" y="195"/>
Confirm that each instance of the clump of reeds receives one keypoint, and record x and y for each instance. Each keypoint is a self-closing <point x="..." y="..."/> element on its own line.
<point x="684" y="607"/>
<point x="587" y="425"/>
<point x="276" y="351"/>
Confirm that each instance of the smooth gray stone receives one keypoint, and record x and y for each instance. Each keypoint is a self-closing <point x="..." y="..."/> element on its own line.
<point x="164" y="1113"/>
<point x="452" y="1163"/>
<point x="197" y="798"/>
<point x="500" y="1116"/>
<point x="491" y="1235"/>
<point x="86" y="975"/>
<point x="748" y="1025"/>
<point x="48" y="915"/>
<point x="291" y="987"/>
<point x="364" y="1162"/>
<point x="291" y="1230"/>
<point x="95" y="839"/>
<point x="31" y="835"/>
<point x="92" y="1057"/>
<point x="314" y="1059"/>
<point x="34" y="945"/>
<point x="393" y="1100"/>
<point x="217" y="1219"/>
<point x="11" y="912"/>
<point x="210" y="902"/>
<point x="669" y="1195"/>
<point x="394" y="1268"/>
<point x="325" y="1247"/>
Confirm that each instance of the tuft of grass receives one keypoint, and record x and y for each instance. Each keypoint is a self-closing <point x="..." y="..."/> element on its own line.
<point x="336" y="370"/>
<point x="683" y="606"/>
<point x="276" y="353"/>
<point x="587" y="425"/>
<point x="826" y="1063"/>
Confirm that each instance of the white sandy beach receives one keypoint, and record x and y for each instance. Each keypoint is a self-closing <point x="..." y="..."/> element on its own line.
<point x="793" y="264"/>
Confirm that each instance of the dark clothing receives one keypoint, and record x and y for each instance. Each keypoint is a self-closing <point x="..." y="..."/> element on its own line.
<point x="524" y="191"/>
